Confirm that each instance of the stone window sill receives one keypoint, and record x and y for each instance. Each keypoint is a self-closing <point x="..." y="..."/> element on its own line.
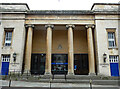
<point x="6" y="47"/>
<point x="113" y="48"/>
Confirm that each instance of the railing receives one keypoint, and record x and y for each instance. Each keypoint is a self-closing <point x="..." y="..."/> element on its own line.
<point x="64" y="73"/>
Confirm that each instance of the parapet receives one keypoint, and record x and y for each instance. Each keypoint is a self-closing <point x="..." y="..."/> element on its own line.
<point x="105" y="7"/>
<point x="14" y="6"/>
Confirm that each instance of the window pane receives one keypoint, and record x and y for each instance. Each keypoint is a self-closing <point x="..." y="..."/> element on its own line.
<point x="5" y="58"/>
<point x="8" y="37"/>
<point x="111" y="39"/>
<point x="113" y="59"/>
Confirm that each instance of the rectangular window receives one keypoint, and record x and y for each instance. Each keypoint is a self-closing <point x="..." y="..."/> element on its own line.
<point x="5" y="58"/>
<point x="113" y="59"/>
<point x="111" y="39"/>
<point x="8" y="37"/>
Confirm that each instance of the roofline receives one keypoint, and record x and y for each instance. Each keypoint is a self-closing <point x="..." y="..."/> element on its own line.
<point x="104" y="4"/>
<point x="60" y="12"/>
<point x="15" y="4"/>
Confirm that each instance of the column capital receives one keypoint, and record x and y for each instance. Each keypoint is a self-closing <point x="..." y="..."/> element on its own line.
<point x="29" y="25"/>
<point x="70" y="26"/>
<point x="90" y="26"/>
<point x="49" y="25"/>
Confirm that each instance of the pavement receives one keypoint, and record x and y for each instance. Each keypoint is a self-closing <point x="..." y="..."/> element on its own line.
<point x="49" y="85"/>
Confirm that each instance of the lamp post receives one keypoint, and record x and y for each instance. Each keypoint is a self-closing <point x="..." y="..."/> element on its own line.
<point x="90" y="84"/>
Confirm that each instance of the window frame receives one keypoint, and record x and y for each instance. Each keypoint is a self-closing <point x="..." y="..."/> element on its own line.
<point x="113" y="30"/>
<point x="5" y="31"/>
<point x="5" y="59"/>
<point x="115" y="60"/>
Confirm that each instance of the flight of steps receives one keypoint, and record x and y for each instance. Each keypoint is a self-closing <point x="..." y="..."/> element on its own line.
<point x="66" y="79"/>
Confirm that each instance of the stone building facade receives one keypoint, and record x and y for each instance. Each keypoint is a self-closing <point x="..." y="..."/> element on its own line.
<point x="72" y="42"/>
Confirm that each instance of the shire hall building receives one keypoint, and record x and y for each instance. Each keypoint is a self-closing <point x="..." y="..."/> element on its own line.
<point x="71" y="42"/>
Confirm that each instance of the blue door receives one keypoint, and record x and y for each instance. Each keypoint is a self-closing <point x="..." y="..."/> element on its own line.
<point x="114" y="69"/>
<point x="114" y="65"/>
<point x="5" y="68"/>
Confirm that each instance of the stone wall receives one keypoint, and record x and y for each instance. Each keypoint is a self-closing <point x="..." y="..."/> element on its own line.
<point x="18" y="40"/>
<point x="103" y="23"/>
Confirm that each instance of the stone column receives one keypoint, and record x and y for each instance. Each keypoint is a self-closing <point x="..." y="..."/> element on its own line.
<point x="28" y="50"/>
<point x="90" y="50"/>
<point x="48" y="49"/>
<point x="70" y="50"/>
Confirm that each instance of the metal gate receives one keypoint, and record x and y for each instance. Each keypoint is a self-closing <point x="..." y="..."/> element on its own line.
<point x="5" y="64"/>
<point x="114" y="66"/>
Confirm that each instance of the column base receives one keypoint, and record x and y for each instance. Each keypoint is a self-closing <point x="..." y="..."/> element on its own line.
<point x="26" y="72"/>
<point x="70" y="73"/>
<point x="48" y="73"/>
<point x="92" y="74"/>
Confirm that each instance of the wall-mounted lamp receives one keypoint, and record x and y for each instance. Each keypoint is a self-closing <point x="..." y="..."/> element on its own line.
<point x="104" y="57"/>
<point x="14" y="57"/>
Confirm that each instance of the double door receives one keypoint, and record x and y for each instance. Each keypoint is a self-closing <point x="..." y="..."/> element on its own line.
<point x="81" y="64"/>
<point x="38" y="64"/>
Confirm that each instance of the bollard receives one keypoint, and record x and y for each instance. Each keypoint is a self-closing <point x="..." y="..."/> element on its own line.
<point x="10" y="83"/>
<point x="90" y="84"/>
<point x="65" y="76"/>
<point x="50" y="82"/>
<point x="10" y="80"/>
<point x="27" y="74"/>
<point x="53" y="76"/>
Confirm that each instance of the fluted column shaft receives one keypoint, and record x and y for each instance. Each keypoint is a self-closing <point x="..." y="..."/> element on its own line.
<point x="28" y="50"/>
<point x="48" y="49"/>
<point x="90" y="50"/>
<point x="70" y="50"/>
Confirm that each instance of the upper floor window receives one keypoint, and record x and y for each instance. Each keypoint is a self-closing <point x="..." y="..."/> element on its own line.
<point x="8" y="37"/>
<point x="111" y="39"/>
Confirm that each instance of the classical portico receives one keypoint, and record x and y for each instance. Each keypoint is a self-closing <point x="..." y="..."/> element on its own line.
<point x="70" y="44"/>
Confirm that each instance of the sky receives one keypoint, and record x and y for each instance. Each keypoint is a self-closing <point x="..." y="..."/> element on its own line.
<point x="59" y="4"/>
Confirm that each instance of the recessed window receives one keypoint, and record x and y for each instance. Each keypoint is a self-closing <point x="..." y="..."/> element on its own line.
<point x="8" y="37"/>
<point x="111" y="39"/>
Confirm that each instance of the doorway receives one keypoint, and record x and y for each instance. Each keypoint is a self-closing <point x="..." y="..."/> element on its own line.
<point x="81" y="64"/>
<point x="5" y="64"/>
<point x="114" y="65"/>
<point x="38" y="64"/>
<point x="59" y="63"/>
